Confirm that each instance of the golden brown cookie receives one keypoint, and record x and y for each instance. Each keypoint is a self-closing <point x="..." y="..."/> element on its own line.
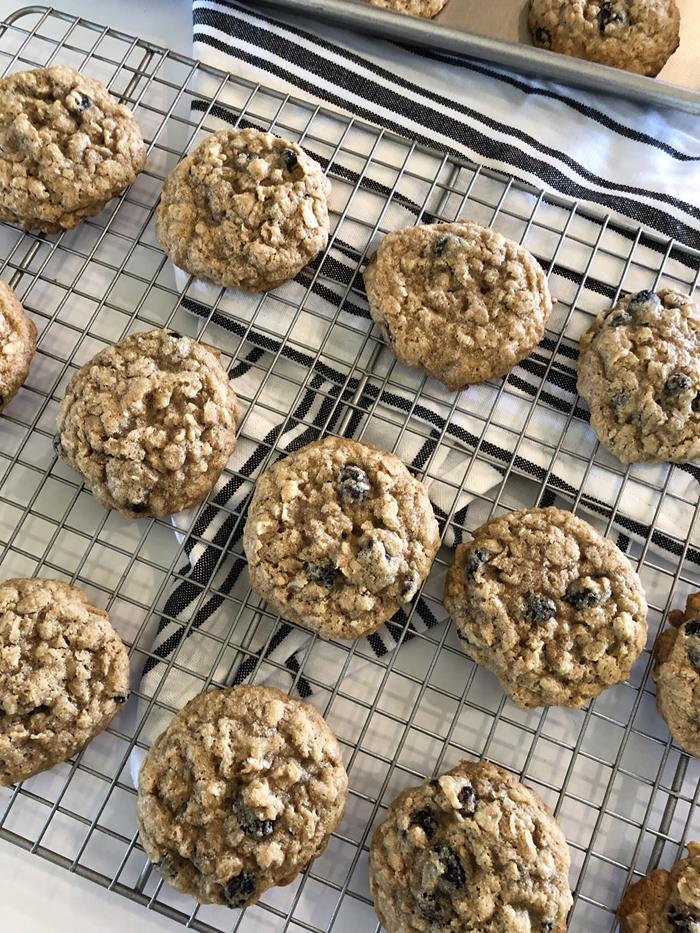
<point x="67" y="147"/>
<point x="550" y="606"/>
<point x="426" y="8"/>
<point x="665" y="902"/>
<point x="239" y="793"/>
<point x="150" y="423"/>
<point x="636" y="35"/>
<point x="64" y="674"/>
<point x="459" y="301"/>
<point x="471" y="850"/>
<point x="244" y="209"/>
<point x="639" y="371"/>
<point x="338" y="536"/>
<point x="677" y="675"/>
<point x="17" y="344"/>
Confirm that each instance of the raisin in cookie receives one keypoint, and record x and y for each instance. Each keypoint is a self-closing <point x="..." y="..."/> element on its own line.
<point x="64" y="673"/>
<point x="639" y="371"/>
<point x="239" y="793"/>
<point x="245" y="209"/>
<point x="636" y="35"/>
<point x="150" y="423"/>
<point x="457" y="300"/>
<point x="427" y="8"/>
<point x="17" y="344"/>
<point x="665" y="902"/>
<point x="67" y="147"/>
<point x="471" y="850"/>
<point x="549" y="605"/>
<point x="338" y="535"/>
<point x="677" y="675"/>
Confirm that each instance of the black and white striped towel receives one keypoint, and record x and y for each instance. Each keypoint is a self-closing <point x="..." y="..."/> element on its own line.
<point x="635" y="164"/>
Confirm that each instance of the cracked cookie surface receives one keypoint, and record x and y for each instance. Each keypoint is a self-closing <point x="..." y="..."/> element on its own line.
<point x="639" y="372"/>
<point x="150" y="423"/>
<point x="64" y="673"/>
<point x="67" y="147"/>
<point x="338" y="536"/>
<point x="472" y="850"/>
<point x="550" y="606"/>
<point x="677" y="675"/>
<point x="245" y="209"/>
<point x="636" y="35"/>
<point x="239" y="793"/>
<point x="17" y="344"/>
<point x="457" y="300"/>
<point x="665" y="902"/>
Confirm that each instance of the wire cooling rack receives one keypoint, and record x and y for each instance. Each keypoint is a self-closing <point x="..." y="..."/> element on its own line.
<point x="306" y="359"/>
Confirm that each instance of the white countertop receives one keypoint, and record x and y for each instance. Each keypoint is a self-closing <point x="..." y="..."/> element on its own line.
<point x="167" y="22"/>
<point x="38" y="897"/>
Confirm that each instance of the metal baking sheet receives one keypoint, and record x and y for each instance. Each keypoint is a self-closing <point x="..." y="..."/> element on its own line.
<point x="497" y="32"/>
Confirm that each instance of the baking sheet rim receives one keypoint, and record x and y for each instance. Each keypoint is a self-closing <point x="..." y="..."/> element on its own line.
<point x="523" y="58"/>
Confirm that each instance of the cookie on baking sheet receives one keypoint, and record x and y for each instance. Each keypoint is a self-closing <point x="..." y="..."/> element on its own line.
<point x="245" y="209"/>
<point x="427" y="8"/>
<point x="150" y="423"/>
<point x="665" y="902"/>
<point x="471" y="850"/>
<point x="555" y="610"/>
<point x="677" y="675"/>
<point x="636" y="35"/>
<point x="17" y="344"/>
<point x="639" y="371"/>
<point x="64" y="673"/>
<point x="67" y="147"/>
<point x="239" y="793"/>
<point x="338" y="536"/>
<point x="458" y="301"/>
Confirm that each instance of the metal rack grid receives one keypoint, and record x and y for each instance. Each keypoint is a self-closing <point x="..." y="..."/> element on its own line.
<point x="624" y="794"/>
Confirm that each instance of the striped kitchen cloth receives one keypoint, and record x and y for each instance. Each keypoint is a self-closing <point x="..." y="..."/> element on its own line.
<point x="639" y="165"/>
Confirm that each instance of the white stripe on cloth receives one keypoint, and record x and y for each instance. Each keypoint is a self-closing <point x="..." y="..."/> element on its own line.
<point x="558" y="441"/>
